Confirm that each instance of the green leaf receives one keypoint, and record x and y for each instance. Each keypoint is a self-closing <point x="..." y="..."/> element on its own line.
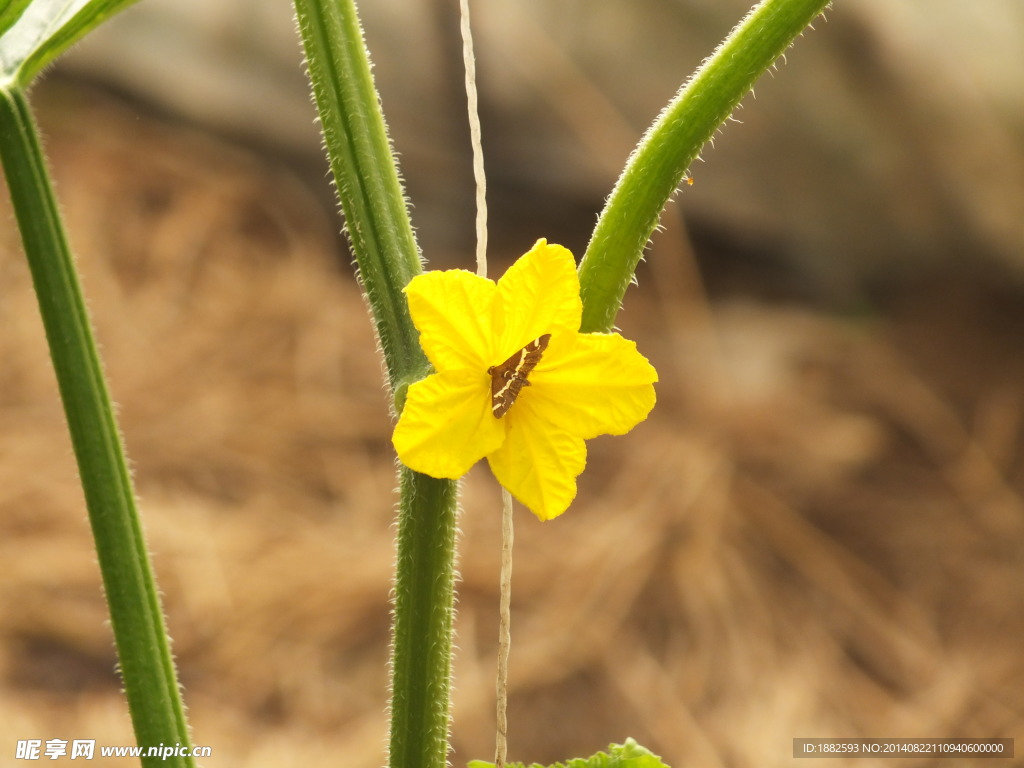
<point x="37" y="32"/>
<point x="628" y="755"/>
<point x="11" y="12"/>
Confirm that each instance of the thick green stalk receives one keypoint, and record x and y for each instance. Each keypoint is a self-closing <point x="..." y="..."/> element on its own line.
<point x="387" y="257"/>
<point x="423" y="614"/>
<point x="366" y="175"/>
<point x="143" y="650"/>
<point x="657" y="165"/>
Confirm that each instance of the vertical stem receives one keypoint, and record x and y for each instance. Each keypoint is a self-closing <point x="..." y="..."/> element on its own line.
<point x="386" y="253"/>
<point x="423" y="615"/>
<point x="364" y="169"/>
<point x="136" y="616"/>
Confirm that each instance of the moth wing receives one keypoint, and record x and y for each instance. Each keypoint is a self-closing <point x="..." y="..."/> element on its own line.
<point x="532" y="354"/>
<point x="502" y="401"/>
<point x="509" y="378"/>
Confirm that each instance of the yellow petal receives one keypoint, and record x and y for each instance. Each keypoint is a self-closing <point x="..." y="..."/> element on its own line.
<point x="453" y="311"/>
<point x="447" y="424"/>
<point x="591" y="384"/>
<point x="538" y="294"/>
<point x="538" y="463"/>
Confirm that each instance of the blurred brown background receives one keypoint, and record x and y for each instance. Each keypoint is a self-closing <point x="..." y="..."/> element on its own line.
<point x="819" y="531"/>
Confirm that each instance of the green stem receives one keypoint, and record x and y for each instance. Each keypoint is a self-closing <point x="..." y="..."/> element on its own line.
<point x="387" y="257"/>
<point x="657" y="165"/>
<point x="364" y="169"/>
<point x="424" y="610"/>
<point x="145" y="659"/>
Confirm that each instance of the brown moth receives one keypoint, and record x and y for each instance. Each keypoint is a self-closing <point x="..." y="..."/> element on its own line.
<point x="509" y="378"/>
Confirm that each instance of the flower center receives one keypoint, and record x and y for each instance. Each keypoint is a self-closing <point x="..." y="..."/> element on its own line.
<point x="508" y="379"/>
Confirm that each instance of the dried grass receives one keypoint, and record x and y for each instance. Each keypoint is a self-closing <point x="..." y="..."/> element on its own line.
<point x="806" y="539"/>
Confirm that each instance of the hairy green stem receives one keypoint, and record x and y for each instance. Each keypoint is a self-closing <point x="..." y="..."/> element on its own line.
<point x="147" y="668"/>
<point x="387" y="258"/>
<point x="423" y="613"/>
<point x="659" y="161"/>
<point x="366" y="174"/>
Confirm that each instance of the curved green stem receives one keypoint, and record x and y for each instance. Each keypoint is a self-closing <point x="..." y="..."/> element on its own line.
<point x="143" y="650"/>
<point x="657" y="165"/>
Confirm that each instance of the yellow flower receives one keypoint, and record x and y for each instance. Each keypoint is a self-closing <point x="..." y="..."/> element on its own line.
<point x="515" y="380"/>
